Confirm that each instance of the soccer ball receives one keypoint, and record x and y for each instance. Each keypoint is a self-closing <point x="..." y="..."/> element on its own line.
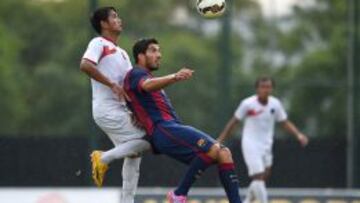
<point x="211" y="8"/>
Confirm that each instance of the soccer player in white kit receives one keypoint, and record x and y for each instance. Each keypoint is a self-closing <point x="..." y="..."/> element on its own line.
<point x="107" y="64"/>
<point x="259" y="113"/>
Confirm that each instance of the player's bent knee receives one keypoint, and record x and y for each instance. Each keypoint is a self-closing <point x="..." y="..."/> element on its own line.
<point x="225" y="155"/>
<point x="214" y="151"/>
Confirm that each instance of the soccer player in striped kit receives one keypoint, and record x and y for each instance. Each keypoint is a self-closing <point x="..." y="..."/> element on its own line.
<point x="167" y="134"/>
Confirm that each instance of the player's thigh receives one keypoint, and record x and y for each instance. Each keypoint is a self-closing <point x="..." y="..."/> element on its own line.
<point x="253" y="160"/>
<point x="268" y="159"/>
<point x="192" y="137"/>
<point x="119" y="127"/>
<point x="133" y="148"/>
<point x="182" y="142"/>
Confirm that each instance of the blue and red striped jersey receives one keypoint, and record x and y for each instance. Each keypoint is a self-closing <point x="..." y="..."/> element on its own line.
<point x="150" y="108"/>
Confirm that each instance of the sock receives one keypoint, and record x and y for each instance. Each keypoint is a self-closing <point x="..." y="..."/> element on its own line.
<point x="194" y="171"/>
<point x="125" y="149"/>
<point x="259" y="190"/>
<point x="230" y="182"/>
<point x="249" y="195"/>
<point x="130" y="175"/>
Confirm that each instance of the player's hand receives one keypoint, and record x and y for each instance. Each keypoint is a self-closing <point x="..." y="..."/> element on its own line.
<point x="183" y="74"/>
<point x="303" y="139"/>
<point x="120" y="92"/>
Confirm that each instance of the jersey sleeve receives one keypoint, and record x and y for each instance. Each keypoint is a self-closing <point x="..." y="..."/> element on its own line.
<point x="281" y="114"/>
<point x="128" y="61"/>
<point x="93" y="51"/>
<point x="240" y="112"/>
<point x="136" y="80"/>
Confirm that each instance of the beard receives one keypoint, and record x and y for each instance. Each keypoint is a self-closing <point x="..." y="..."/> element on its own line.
<point x="152" y="66"/>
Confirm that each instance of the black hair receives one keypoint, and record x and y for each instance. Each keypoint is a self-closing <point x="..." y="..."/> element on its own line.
<point x="141" y="46"/>
<point x="100" y="14"/>
<point x="264" y="79"/>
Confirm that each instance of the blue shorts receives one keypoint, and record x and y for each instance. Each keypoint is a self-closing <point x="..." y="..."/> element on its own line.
<point x="180" y="142"/>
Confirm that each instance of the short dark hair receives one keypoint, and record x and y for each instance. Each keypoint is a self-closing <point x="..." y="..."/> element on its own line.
<point x="264" y="79"/>
<point x="100" y="14"/>
<point x="141" y="46"/>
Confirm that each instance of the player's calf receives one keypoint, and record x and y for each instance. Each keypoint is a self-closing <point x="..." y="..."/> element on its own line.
<point x="223" y="157"/>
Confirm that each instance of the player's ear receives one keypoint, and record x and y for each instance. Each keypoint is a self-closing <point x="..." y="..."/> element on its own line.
<point x="104" y="24"/>
<point x="141" y="57"/>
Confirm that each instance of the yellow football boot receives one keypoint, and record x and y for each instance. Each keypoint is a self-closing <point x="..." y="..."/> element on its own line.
<point x="98" y="168"/>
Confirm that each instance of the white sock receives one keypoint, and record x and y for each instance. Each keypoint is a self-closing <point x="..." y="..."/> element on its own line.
<point x="129" y="148"/>
<point x="249" y="195"/>
<point x="130" y="175"/>
<point x="258" y="189"/>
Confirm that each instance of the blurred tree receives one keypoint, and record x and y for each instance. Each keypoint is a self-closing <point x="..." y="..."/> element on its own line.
<point x="12" y="105"/>
<point x="318" y="75"/>
<point x="42" y="43"/>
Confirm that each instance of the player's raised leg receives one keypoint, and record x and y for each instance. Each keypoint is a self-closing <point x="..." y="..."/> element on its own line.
<point x="200" y="151"/>
<point x="100" y="160"/>
<point x="221" y="156"/>
<point x="131" y="148"/>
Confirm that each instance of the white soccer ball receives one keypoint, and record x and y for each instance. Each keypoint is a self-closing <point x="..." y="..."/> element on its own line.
<point x="211" y="8"/>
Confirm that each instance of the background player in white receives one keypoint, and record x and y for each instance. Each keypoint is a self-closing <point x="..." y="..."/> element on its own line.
<point x="260" y="112"/>
<point x="107" y="64"/>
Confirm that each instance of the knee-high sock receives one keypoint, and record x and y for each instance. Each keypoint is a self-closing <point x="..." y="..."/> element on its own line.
<point x="230" y="182"/>
<point x="258" y="189"/>
<point x="195" y="169"/>
<point x="249" y="195"/>
<point x="130" y="175"/>
<point x="129" y="148"/>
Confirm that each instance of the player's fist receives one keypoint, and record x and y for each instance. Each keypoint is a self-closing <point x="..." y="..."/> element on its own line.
<point x="303" y="139"/>
<point x="183" y="74"/>
<point x="120" y="92"/>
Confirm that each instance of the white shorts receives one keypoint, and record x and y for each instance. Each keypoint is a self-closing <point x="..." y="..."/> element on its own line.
<point x="257" y="158"/>
<point x="117" y="124"/>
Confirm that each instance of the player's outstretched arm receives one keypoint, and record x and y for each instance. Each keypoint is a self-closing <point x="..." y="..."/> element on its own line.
<point x="291" y="128"/>
<point x="229" y="129"/>
<point x="158" y="83"/>
<point x="90" y="69"/>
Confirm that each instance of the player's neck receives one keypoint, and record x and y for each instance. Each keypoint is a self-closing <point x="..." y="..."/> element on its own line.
<point x="263" y="100"/>
<point x="143" y="66"/>
<point x="110" y="36"/>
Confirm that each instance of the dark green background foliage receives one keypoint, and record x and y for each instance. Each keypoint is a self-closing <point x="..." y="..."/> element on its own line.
<point x="44" y="93"/>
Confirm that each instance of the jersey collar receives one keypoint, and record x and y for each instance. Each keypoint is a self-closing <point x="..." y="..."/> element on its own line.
<point x="263" y="104"/>
<point x="110" y="40"/>
<point x="146" y="70"/>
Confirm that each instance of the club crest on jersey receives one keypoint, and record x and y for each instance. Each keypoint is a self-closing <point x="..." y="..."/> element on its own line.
<point x="201" y="142"/>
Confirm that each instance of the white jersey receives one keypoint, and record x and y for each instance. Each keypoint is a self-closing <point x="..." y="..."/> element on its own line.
<point x="259" y="120"/>
<point x="113" y="62"/>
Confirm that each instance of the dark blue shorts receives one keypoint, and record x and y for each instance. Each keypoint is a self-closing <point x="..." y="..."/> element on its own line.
<point x="180" y="142"/>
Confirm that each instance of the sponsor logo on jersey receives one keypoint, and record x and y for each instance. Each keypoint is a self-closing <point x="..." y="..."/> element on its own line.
<point x="107" y="51"/>
<point x="253" y="112"/>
